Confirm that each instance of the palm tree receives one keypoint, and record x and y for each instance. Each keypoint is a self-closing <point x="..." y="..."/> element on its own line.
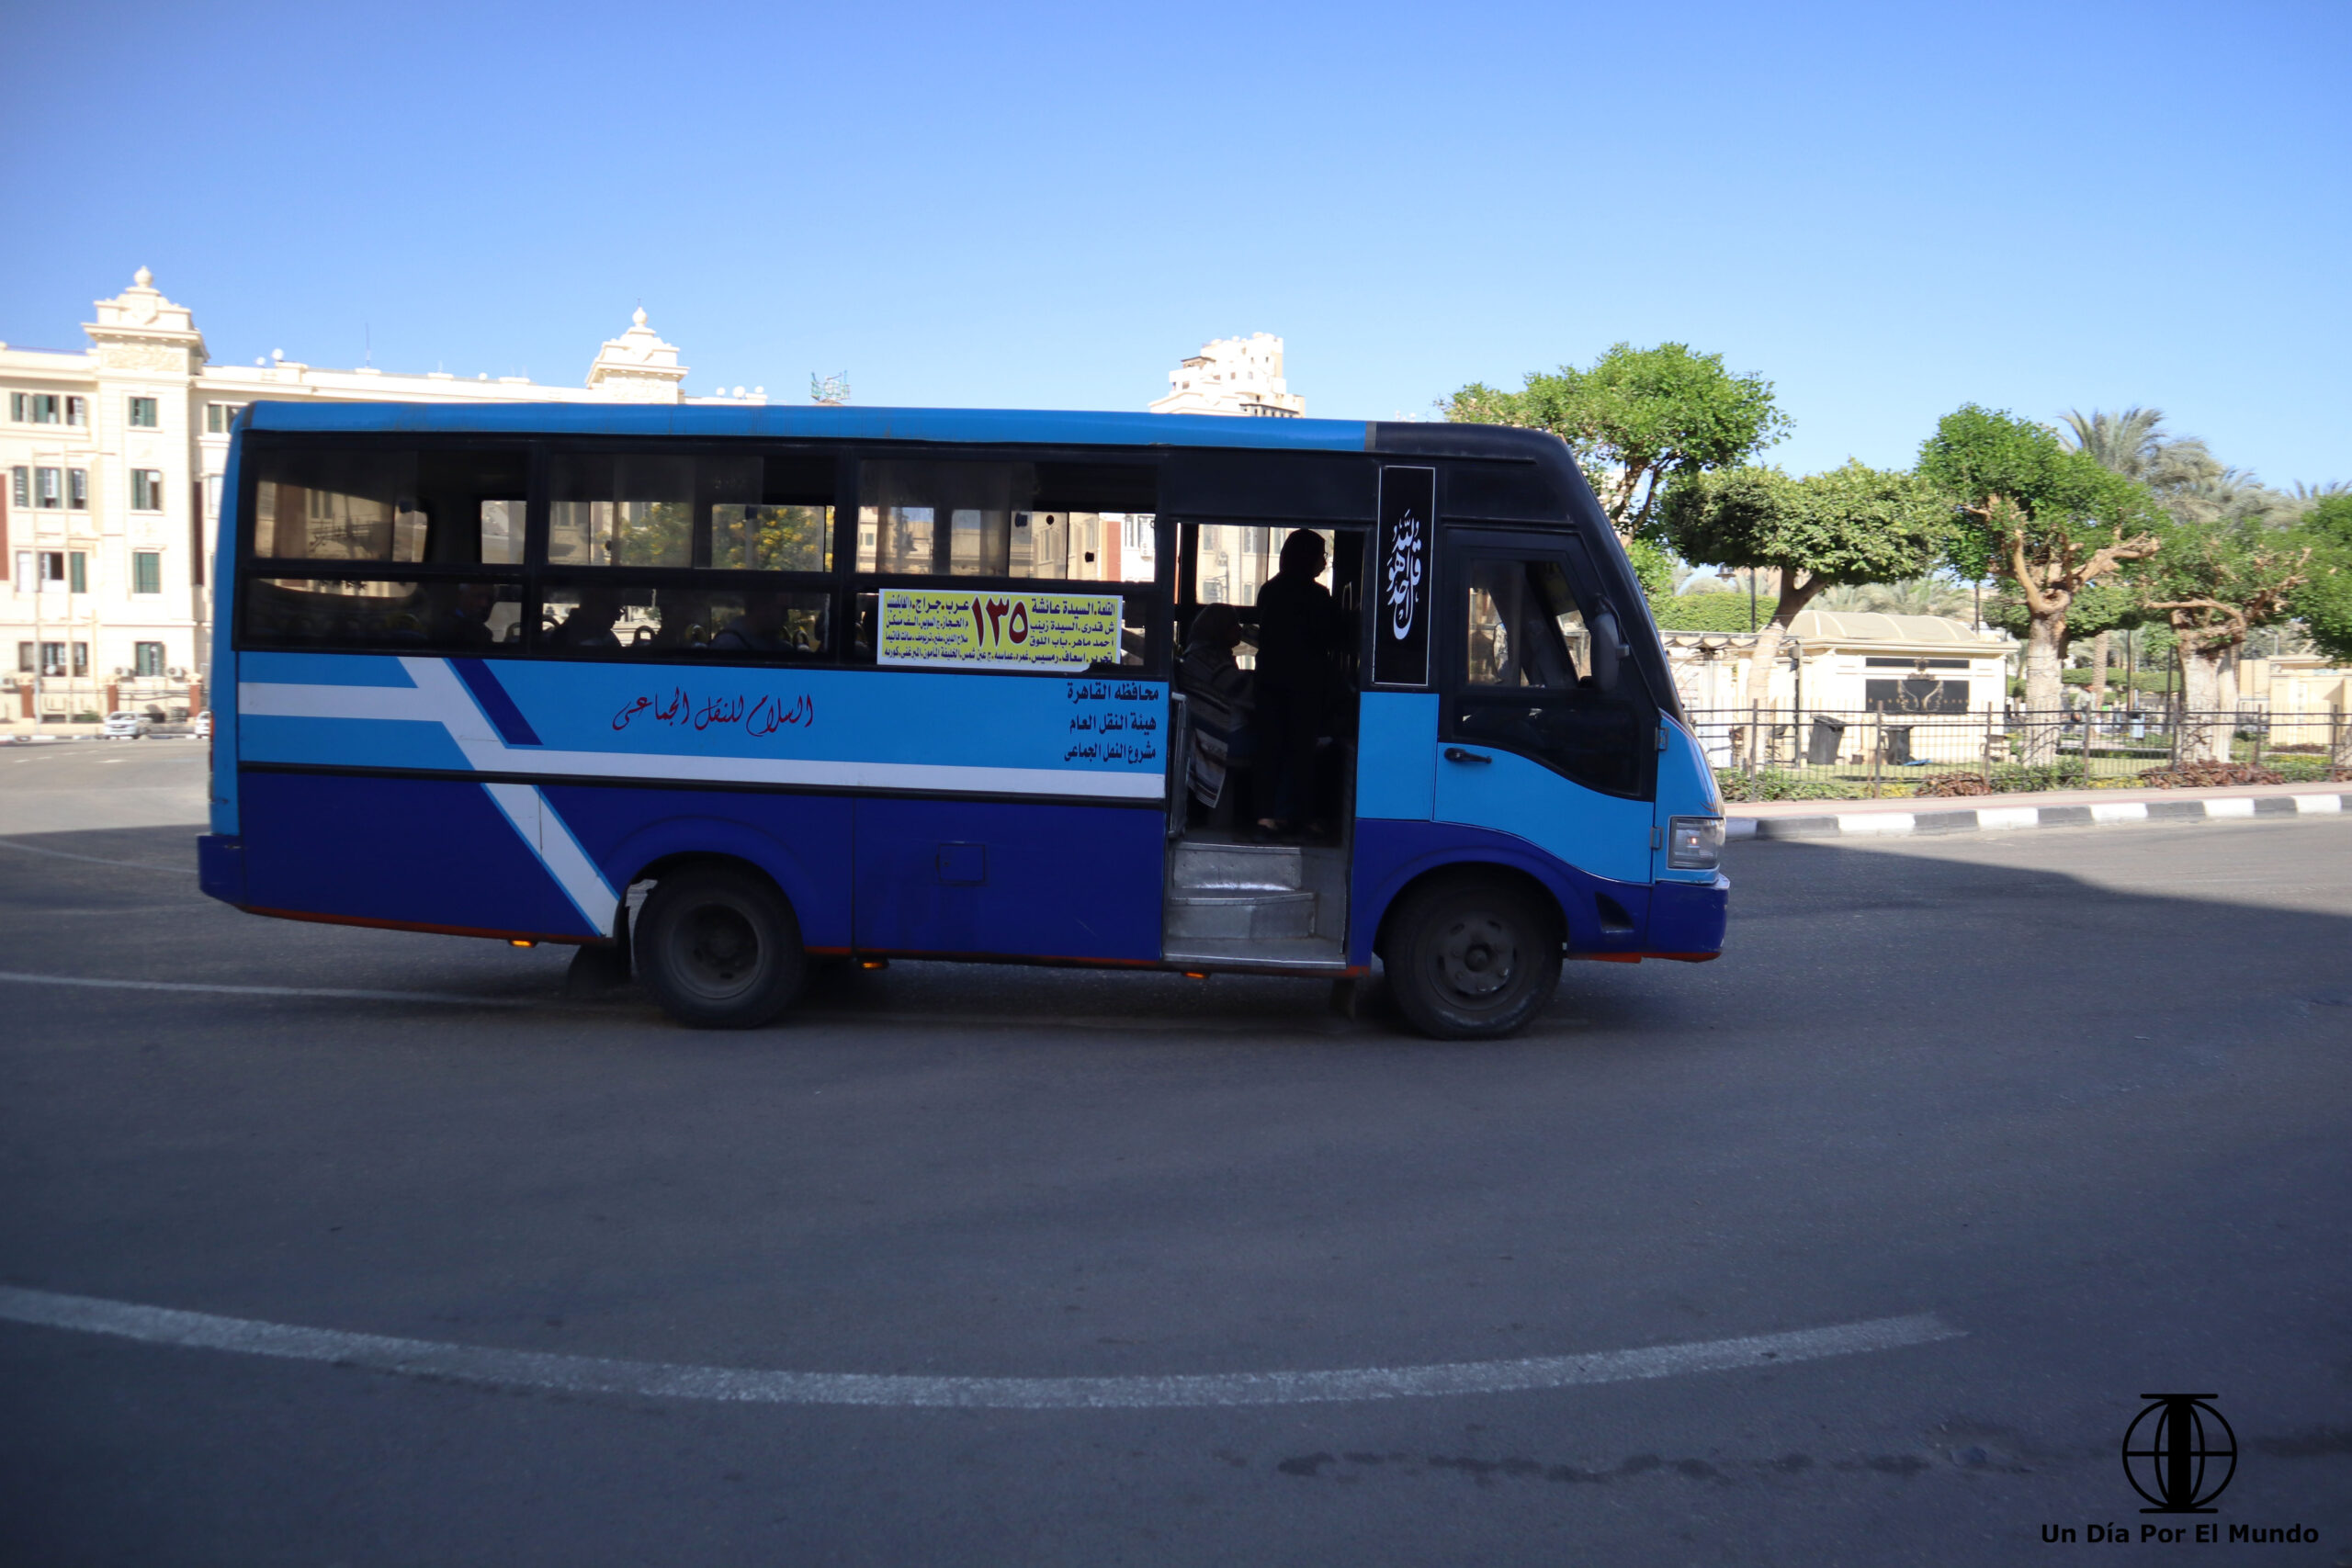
<point x="2134" y="445"/>
<point x="2232" y="495"/>
<point x="1912" y="596"/>
<point x="2187" y="479"/>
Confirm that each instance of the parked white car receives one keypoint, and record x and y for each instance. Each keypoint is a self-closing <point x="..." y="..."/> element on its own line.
<point x="201" y="729"/>
<point x="123" y="726"/>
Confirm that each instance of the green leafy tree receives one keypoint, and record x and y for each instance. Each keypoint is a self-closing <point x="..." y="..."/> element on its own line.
<point x="2050" y="521"/>
<point x="2099" y="611"/>
<point x="1639" y="421"/>
<point x="1852" y="525"/>
<point x="1701" y="612"/>
<point x="2213" y="583"/>
<point x="2324" y="601"/>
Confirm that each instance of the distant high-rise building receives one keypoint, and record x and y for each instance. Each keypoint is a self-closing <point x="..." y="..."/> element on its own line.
<point x="1232" y="376"/>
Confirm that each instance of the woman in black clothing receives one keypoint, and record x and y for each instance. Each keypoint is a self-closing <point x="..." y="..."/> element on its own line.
<point x="1294" y="682"/>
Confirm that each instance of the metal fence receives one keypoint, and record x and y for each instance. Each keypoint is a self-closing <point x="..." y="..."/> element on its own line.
<point x="1762" y="751"/>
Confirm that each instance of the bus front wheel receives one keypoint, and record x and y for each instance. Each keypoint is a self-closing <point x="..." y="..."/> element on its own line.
<point x="720" y="948"/>
<point x="1472" y="958"/>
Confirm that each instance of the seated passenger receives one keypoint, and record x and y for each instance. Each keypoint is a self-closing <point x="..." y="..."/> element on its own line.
<point x="464" y="621"/>
<point x="761" y="628"/>
<point x="590" y="625"/>
<point x="1217" y="696"/>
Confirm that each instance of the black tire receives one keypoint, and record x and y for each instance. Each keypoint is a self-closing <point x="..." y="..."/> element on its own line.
<point x="1472" y="958"/>
<point x="720" y="948"/>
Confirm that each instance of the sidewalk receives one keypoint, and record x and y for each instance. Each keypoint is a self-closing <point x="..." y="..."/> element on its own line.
<point x="2051" y="808"/>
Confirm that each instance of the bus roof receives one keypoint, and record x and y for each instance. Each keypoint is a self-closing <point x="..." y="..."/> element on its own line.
<point x="978" y="426"/>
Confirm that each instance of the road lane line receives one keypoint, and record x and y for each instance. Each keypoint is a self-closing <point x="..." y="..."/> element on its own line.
<point x="97" y="860"/>
<point x="584" y="1374"/>
<point x="448" y="996"/>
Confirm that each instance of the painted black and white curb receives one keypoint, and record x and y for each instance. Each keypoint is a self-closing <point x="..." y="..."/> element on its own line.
<point x="2001" y="818"/>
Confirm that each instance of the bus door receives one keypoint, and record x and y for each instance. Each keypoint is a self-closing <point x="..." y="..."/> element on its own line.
<point x="1545" y="728"/>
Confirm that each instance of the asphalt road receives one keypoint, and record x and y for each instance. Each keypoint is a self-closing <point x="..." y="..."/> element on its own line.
<point x="2083" y="1096"/>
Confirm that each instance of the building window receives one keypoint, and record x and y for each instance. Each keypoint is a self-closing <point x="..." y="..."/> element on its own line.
<point x="24" y="658"/>
<point x="142" y="414"/>
<point x="146" y="490"/>
<point x="212" y="496"/>
<point x="222" y="418"/>
<point x="78" y="411"/>
<point x="78" y="573"/>
<point x="49" y="487"/>
<point x="53" y="567"/>
<point x="53" y="659"/>
<point x="149" y="658"/>
<point x="146" y="572"/>
<point x="80" y="659"/>
<point x="36" y="407"/>
<point x="20" y="486"/>
<point x="77" y="490"/>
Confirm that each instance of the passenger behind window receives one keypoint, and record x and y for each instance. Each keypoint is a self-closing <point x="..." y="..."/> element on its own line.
<point x="764" y="627"/>
<point x="590" y="626"/>
<point x="462" y="618"/>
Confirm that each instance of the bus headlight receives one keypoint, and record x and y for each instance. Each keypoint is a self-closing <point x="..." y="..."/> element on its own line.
<point x="1694" y="843"/>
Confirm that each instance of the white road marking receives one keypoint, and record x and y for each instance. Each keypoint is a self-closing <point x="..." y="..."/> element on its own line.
<point x="585" y="1374"/>
<point x="271" y="990"/>
<point x="100" y="860"/>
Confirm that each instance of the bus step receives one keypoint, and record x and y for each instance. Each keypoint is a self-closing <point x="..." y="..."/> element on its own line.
<point x="1299" y="955"/>
<point x="1227" y="913"/>
<point x="1215" y="867"/>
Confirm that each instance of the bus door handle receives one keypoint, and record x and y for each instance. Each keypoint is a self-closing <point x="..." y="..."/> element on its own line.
<point x="1456" y="754"/>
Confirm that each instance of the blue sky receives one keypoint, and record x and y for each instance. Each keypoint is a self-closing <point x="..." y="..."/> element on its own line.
<point x="1886" y="210"/>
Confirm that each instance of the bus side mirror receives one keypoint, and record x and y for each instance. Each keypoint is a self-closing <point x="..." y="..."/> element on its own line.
<point x="1609" y="649"/>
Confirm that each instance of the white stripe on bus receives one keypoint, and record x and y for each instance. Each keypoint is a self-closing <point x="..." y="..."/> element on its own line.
<point x="443" y="700"/>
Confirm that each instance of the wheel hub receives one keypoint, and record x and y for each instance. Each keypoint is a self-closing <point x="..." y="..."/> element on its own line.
<point x="1477" y="957"/>
<point x="719" y="949"/>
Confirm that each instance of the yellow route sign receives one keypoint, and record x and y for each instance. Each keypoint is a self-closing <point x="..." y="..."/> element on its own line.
<point x="979" y="630"/>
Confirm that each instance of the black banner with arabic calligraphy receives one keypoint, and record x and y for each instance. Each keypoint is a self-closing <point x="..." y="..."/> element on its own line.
<point x="1404" y="577"/>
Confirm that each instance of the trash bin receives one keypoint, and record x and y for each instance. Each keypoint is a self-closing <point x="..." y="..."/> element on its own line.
<point x="1898" y="747"/>
<point x="1821" y="748"/>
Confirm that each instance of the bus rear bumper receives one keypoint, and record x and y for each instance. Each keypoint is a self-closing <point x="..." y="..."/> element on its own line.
<point x="221" y="867"/>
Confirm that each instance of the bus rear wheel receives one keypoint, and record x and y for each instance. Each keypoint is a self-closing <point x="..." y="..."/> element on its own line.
<point x="1472" y="958"/>
<point x="720" y="948"/>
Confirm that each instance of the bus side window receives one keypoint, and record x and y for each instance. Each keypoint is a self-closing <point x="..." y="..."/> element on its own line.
<point x="391" y="506"/>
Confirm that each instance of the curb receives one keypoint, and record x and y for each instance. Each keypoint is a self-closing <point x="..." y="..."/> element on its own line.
<point x="2000" y="818"/>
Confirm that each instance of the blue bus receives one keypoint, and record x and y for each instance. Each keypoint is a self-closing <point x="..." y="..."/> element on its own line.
<point x="719" y="694"/>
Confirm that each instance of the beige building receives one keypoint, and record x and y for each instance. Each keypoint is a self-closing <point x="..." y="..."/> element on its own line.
<point x="2307" y="699"/>
<point x="1232" y="376"/>
<point x="112" y="459"/>
<point x="1848" y="665"/>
